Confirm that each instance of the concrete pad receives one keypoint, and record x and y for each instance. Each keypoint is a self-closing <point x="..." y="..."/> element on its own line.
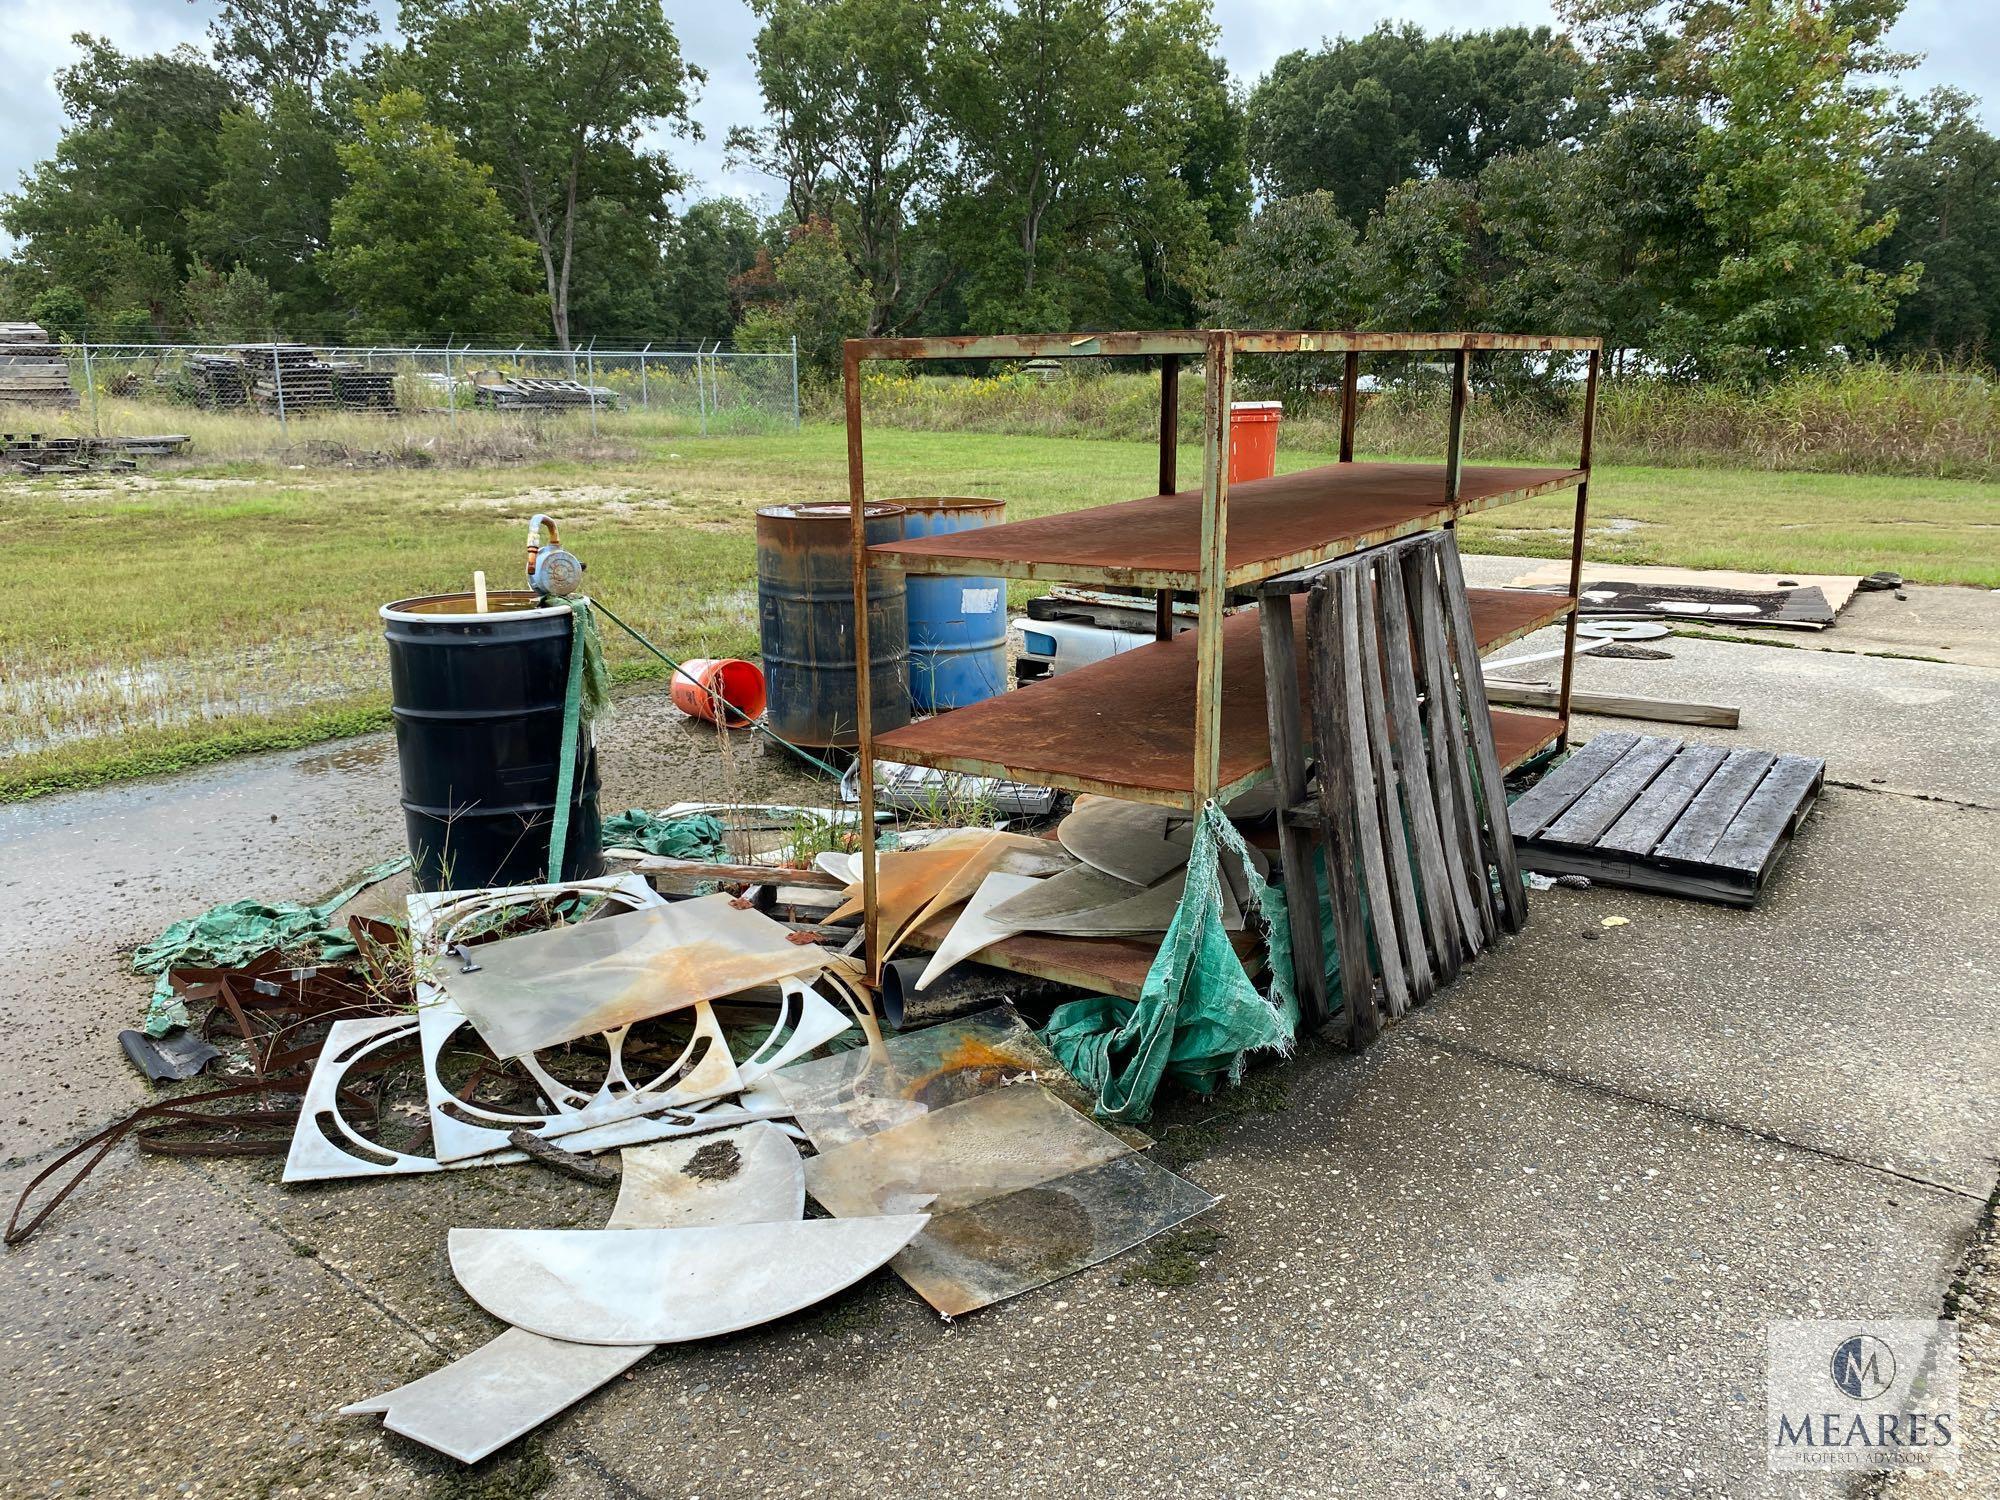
<point x="158" y="1339"/>
<point x="1907" y="726"/>
<point x="1957" y="625"/>
<point x="1438" y="1276"/>
<point x="1854" y="1010"/>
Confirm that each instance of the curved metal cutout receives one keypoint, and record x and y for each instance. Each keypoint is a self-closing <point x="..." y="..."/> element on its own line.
<point x="668" y="1286"/>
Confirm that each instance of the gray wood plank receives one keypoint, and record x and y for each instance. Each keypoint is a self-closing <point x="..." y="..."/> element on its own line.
<point x="1647" y="820"/>
<point x="1470" y="924"/>
<point x="1441" y="914"/>
<point x="1452" y="762"/>
<point x="1712" y="810"/>
<point x="1765" y="821"/>
<point x="1374" y="864"/>
<point x="1336" y="805"/>
<point x="1599" y="807"/>
<point x="1549" y="798"/>
<point x="1479" y="724"/>
<point x="1288" y="762"/>
<point x="1389" y="793"/>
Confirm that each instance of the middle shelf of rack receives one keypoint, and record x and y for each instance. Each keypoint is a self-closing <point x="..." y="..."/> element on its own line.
<point x="1124" y="726"/>
<point x="1274" y="526"/>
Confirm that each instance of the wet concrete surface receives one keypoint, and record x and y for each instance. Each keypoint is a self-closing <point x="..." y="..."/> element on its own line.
<point x="1528" y="1243"/>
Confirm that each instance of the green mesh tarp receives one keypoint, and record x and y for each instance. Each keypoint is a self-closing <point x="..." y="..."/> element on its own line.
<point x="697" y="837"/>
<point x="1199" y="1016"/>
<point x="225" y="936"/>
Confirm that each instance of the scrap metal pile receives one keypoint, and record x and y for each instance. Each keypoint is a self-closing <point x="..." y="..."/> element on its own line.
<point x="732" y="1063"/>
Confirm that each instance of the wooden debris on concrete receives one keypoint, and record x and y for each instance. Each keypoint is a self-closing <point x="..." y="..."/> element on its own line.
<point x="33" y="371"/>
<point x="1659" y="814"/>
<point x="1614" y="705"/>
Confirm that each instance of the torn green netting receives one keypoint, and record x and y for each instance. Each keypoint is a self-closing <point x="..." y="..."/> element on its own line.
<point x="235" y="933"/>
<point x="1198" y="1016"/>
<point x="697" y="837"/>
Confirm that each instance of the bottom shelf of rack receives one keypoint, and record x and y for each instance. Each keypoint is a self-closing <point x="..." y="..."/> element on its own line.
<point x="1118" y="966"/>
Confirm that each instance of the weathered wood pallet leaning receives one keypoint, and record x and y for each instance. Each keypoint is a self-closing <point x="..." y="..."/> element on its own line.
<point x="1659" y="814"/>
<point x="1409" y="816"/>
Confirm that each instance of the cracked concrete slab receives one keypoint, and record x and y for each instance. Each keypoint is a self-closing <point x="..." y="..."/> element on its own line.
<point x="1856" y="1009"/>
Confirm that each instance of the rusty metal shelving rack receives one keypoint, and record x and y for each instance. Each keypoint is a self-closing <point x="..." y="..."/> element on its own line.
<point x="1125" y="726"/>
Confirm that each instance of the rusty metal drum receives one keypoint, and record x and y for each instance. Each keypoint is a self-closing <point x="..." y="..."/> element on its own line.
<point x="805" y="619"/>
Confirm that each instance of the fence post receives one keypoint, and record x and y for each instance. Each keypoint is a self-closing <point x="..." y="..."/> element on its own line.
<point x="795" y="380"/>
<point x="450" y="385"/>
<point x="90" y="380"/>
<point x="278" y="380"/>
<point x="700" y="389"/>
<point x="590" y="364"/>
<point x="645" y="394"/>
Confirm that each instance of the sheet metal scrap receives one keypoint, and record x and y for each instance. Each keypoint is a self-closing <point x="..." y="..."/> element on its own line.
<point x="856" y="1093"/>
<point x="542" y="989"/>
<point x="1022" y="1191"/>
<point x="668" y="1286"/>
<point x="477" y="1405"/>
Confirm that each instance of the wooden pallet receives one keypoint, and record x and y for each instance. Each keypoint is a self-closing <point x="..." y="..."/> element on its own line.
<point x="1402" y="739"/>
<point x="1660" y="814"/>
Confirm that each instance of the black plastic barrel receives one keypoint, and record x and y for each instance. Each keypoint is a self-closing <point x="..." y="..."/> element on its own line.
<point x="805" y="617"/>
<point x="478" y="701"/>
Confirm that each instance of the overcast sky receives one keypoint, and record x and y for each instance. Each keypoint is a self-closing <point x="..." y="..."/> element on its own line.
<point x="34" y="42"/>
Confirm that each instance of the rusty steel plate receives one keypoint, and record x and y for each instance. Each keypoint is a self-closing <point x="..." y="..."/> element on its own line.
<point x="1125" y="725"/>
<point x="1275" y="525"/>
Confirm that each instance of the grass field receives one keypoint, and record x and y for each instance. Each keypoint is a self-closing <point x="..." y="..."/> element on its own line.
<point x="171" y="617"/>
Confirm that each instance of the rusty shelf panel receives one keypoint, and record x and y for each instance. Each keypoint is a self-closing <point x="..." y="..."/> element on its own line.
<point x="1275" y="525"/>
<point x="1518" y="738"/>
<point x="1122" y="726"/>
<point x="1195" y="342"/>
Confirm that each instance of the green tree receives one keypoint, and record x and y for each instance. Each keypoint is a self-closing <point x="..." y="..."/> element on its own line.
<point x="270" y="46"/>
<point x="228" y="307"/>
<point x="1055" y="108"/>
<point x="421" y="242"/>
<point x="814" y="298"/>
<point x="1296" y="265"/>
<point x="1782" y="199"/>
<point x="558" y="97"/>
<point x="1938" y="176"/>
<point x="62" y="313"/>
<point x="139" y="151"/>
<point x="853" y="133"/>
<point x="271" y="205"/>
<point x="708" y="249"/>
<point x="1364" y="114"/>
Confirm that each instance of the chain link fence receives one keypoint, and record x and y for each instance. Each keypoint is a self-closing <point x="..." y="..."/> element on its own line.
<point x="231" y="401"/>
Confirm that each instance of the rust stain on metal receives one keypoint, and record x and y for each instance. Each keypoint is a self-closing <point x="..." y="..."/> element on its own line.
<point x="1275" y="525"/>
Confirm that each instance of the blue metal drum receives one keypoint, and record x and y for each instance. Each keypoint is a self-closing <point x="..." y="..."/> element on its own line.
<point x="958" y="626"/>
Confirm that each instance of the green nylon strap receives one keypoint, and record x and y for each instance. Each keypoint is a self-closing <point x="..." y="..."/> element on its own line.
<point x="571" y="733"/>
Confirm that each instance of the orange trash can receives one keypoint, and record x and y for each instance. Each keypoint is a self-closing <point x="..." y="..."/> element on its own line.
<point x="1253" y="439"/>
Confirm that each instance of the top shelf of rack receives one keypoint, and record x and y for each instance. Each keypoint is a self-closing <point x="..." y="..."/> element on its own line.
<point x="1275" y="525"/>
<point x="1195" y="342"/>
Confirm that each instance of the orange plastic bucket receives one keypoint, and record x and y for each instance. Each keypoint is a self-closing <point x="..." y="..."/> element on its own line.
<point x="1253" y="439"/>
<point x="737" y="683"/>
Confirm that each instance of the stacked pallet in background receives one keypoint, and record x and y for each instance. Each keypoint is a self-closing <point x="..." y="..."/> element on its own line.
<point x="261" y="374"/>
<point x="523" y="393"/>
<point x="33" y="372"/>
